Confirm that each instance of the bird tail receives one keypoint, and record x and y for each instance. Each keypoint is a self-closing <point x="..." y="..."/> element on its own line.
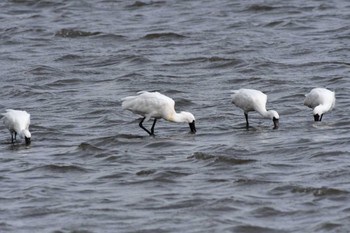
<point x="7" y="110"/>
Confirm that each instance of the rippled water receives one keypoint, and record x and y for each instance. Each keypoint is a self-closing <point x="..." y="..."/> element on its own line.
<point x="90" y="168"/>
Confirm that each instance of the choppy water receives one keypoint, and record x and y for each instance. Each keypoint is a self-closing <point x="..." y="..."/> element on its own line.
<point x="90" y="168"/>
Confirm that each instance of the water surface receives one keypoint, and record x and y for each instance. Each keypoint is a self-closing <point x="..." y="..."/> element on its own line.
<point x="90" y="168"/>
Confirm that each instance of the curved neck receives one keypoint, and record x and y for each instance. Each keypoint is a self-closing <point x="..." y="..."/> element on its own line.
<point x="21" y="133"/>
<point x="24" y="133"/>
<point x="322" y="108"/>
<point x="177" y="117"/>
<point x="265" y="113"/>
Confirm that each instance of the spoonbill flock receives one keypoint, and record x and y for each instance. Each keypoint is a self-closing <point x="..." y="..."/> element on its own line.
<point x="154" y="105"/>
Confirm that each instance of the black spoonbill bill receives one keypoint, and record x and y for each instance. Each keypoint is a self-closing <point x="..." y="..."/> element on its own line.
<point x="156" y="105"/>
<point x="17" y="122"/>
<point x="253" y="100"/>
<point x="321" y="100"/>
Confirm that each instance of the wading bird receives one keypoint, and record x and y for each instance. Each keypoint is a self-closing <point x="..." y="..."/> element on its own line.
<point x="253" y="100"/>
<point x="17" y="122"/>
<point x="156" y="105"/>
<point x="321" y="100"/>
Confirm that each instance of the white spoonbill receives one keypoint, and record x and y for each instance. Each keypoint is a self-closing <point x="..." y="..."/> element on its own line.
<point x="156" y="105"/>
<point x="17" y="122"/>
<point x="321" y="100"/>
<point x="253" y="100"/>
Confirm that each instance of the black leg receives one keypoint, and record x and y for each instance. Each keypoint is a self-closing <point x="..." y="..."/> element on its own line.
<point x="321" y="117"/>
<point x="12" y="138"/>
<point x="140" y="124"/>
<point x="154" y="123"/>
<point x="246" y="119"/>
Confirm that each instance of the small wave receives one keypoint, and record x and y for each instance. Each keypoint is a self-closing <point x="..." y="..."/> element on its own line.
<point x="68" y="57"/>
<point x="330" y="227"/>
<point x="220" y="158"/>
<point x="201" y="156"/>
<point x="170" y="175"/>
<point x="55" y="168"/>
<point x="88" y="147"/>
<point x="72" y="33"/>
<point x="116" y="60"/>
<point x="251" y="228"/>
<point x="162" y="144"/>
<point x="274" y="23"/>
<point x="325" y="6"/>
<point x="145" y="172"/>
<point x="234" y="161"/>
<point x="267" y="211"/>
<point x="214" y="61"/>
<point x="109" y="36"/>
<point x="104" y="141"/>
<point x="140" y="4"/>
<point x="115" y="176"/>
<point x="45" y="70"/>
<point x="260" y="8"/>
<point x="133" y="59"/>
<point x="247" y="181"/>
<point x="207" y="59"/>
<point x="323" y="191"/>
<point x="218" y="180"/>
<point x="64" y="82"/>
<point x="165" y="35"/>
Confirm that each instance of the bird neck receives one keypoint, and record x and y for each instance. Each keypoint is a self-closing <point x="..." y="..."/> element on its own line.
<point x="265" y="113"/>
<point x="24" y="133"/>
<point x="177" y="117"/>
<point x="322" y="108"/>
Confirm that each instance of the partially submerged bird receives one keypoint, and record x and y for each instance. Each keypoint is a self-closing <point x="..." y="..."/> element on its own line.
<point x="321" y="100"/>
<point x="156" y="105"/>
<point x="17" y="122"/>
<point x="253" y="100"/>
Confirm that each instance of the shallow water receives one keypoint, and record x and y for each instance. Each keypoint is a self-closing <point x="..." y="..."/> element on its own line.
<point x="90" y="168"/>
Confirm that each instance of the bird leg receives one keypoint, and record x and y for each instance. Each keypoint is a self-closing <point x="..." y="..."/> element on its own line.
<point x="154" y="123"/>
<point x="140" y="124"/>
<point x="13" y="139"/>
<point x="246" y="119"/>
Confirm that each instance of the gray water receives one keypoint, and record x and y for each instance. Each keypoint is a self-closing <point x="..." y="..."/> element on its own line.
<point x="91" y="168"/>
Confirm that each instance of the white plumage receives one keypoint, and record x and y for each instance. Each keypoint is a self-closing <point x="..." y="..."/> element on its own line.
<point x="156" y="105"/>
<point x="321" y="100"/>
<point x="17" y="122"/>
<point x="253" y="100"/>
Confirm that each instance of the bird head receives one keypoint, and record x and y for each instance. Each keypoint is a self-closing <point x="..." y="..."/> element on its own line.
<point x="317" y="112"/>
<point x="26" y="135"/>
<point x="189" y="118"/>
<point x="275" y="118"/>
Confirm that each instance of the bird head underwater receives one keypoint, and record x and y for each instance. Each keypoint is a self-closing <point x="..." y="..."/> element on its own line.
<point x="275" y="118"/>
<point x="189" y="118"/>
<point x="318" y="113"/>
<point x="26" y="135"/>
<point x="17" y="122"/>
